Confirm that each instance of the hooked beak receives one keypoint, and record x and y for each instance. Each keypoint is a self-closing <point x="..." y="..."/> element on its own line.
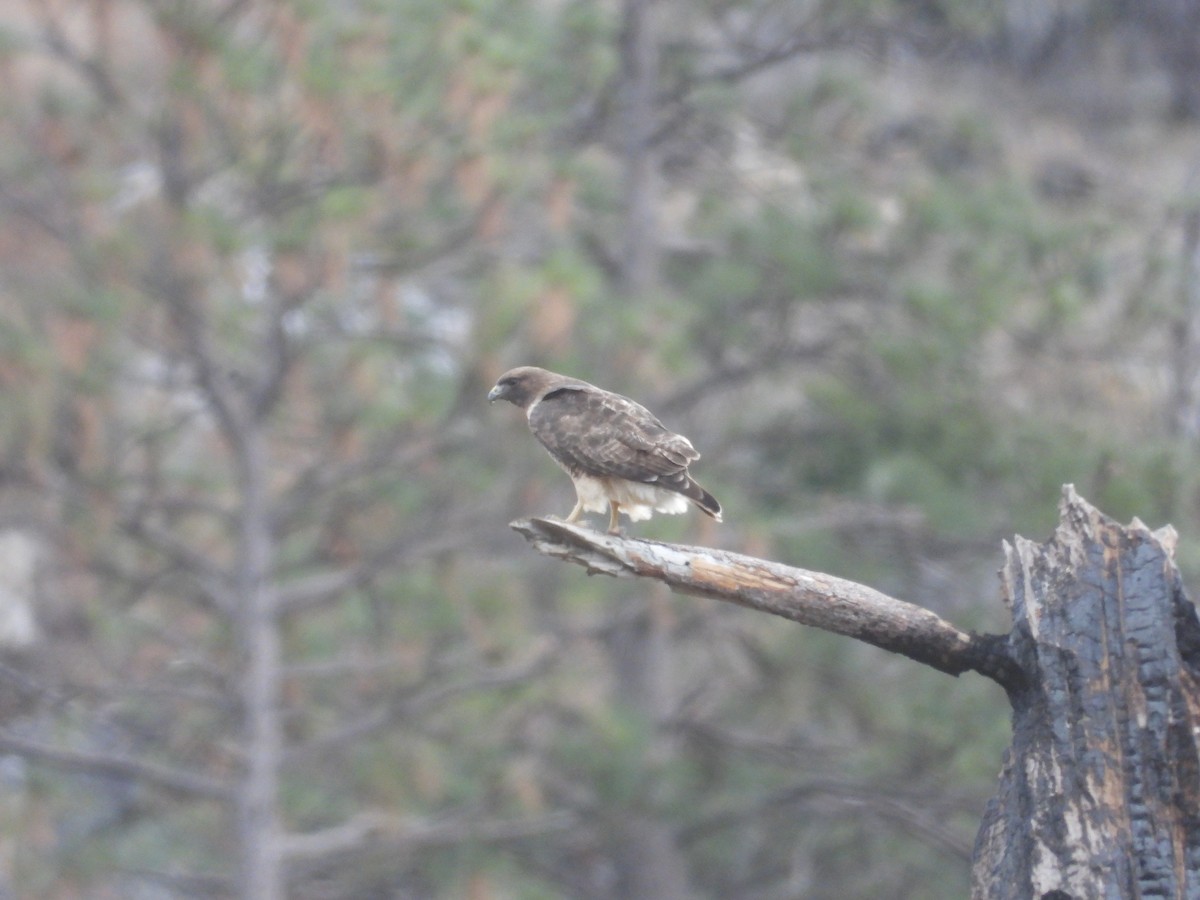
<point x="495" y="394"/>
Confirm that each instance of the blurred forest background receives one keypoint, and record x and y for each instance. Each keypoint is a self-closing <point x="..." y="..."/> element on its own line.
<point x="900" y="268"/>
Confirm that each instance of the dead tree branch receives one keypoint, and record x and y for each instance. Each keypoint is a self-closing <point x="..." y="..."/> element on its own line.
<point x="1099" y="790"/>
<point x="810" y="598"/>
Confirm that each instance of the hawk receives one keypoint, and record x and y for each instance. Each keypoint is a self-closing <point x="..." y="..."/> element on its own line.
<point x="619" y="455"/>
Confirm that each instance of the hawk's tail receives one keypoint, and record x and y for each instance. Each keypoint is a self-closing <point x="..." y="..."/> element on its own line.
<point x="704" y="501"/>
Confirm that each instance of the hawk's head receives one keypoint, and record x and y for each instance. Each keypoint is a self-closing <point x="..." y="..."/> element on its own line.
<point x="523" y="385"/>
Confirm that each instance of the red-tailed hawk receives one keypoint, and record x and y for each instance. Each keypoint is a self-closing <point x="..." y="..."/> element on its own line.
<point x="621" y="458"/>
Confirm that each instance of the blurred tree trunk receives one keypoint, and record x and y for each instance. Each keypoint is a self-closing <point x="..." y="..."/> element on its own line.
<point x="240" y="406"/>
<point x="259" y="828"/>
<point x="1184" y="417"/>
<point x="1175" y="28"/>
<point x="639" y="60"/>
<point x="1099" y="795"/>
<point x="639" y="649"/>
<point x="639" y="640"/>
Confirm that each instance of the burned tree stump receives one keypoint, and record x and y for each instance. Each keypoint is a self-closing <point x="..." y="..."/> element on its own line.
<point x="1099" y="793"/>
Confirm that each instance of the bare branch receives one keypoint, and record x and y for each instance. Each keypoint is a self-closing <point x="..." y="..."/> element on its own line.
<point x="189" y="322"/>
<point x="278" y="356"/>
<point x="315" y="590"/>
<point x="320" y="587"/>
<point x="183" y="885"/>
<point x="173" y="781"/>
<point x="810" y="598"/>
<point x="212" y="581"/>
<point x="542" y="657"/>
<point x="398" y="450"/>
<point x="801" y="40"/>
<point x="54" y="38"/>
<point x="912" y="812"/>
<point x="354" y="664"/>
<point x="373" y="830"/>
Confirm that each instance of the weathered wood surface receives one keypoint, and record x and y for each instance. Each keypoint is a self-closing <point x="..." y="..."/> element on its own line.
<point x="810" y="598"/>
<point x="1099" y="795"/>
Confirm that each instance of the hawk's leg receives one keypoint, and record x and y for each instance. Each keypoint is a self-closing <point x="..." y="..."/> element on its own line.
<point x="614" y="526"/>
<point x="576" y="512"/>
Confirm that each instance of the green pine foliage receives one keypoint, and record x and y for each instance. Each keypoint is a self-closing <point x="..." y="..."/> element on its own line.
<point x="890" y="340"/>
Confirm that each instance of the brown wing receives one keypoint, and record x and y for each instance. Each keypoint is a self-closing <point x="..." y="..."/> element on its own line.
<point x="601" y="433"/>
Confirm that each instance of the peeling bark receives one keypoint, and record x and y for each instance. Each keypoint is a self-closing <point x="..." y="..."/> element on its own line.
<point x="1100" y="792"/>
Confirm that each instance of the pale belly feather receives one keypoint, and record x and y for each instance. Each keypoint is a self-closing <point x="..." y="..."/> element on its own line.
<point x="638" y="501"/>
